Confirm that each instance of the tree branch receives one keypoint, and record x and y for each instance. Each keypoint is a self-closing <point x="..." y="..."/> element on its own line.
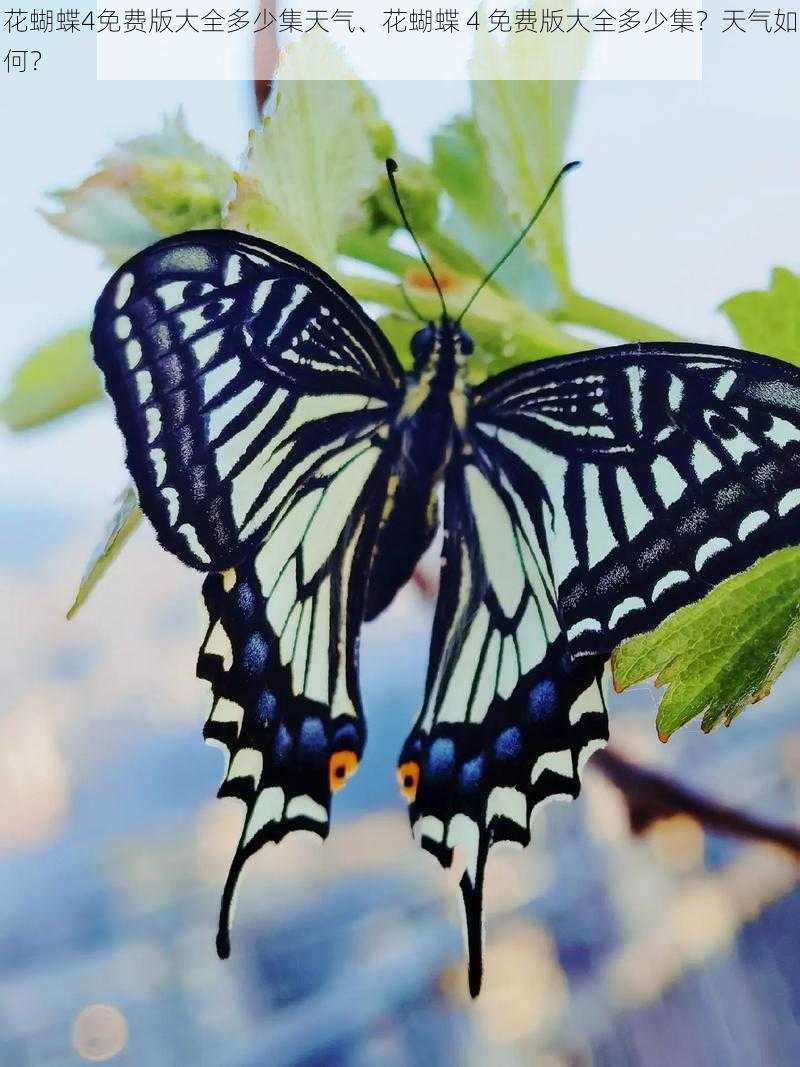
<point x="651" y="795"/>
<point x="265" y="59"/>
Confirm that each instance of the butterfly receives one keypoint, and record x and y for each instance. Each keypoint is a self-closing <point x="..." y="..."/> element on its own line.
<point x="278" y="447"/>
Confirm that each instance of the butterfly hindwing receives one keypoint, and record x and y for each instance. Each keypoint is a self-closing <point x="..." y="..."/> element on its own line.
<point x="508" y="716"/>
<point x="281" y="655"/>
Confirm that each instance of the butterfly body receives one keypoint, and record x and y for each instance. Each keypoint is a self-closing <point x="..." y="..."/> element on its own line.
<point x="428" y="429"/>
<point x="278" y="446"/>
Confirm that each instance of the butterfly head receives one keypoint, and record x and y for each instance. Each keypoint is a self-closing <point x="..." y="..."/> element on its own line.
<point x="441" y="346"/>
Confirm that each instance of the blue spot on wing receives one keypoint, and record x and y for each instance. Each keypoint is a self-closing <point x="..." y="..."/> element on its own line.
<point x="265" y="708"/>
<point x="254" y="654"/>
<point x="346" y="737"/>
<point x="312" y="735"/>
<point x="441" y="756"/>
<point x="542" y="700"/>
<point x="245" y="599"/>
<point x="471" y="773"/>
<point x="509" y="744"/>
<point x="283" y="743"/>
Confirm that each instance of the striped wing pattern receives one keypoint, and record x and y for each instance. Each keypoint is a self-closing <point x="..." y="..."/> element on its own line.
<point x="598" y="493"/>
<point x="659" y="471"/>
<point x="233" y="366"/>
<point x="280" y="652"/>
<point x="256" y="401"/>
<point x="509" y="717"/>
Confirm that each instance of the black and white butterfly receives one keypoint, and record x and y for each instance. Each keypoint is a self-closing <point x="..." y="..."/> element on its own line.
<point x="278" y="446"/>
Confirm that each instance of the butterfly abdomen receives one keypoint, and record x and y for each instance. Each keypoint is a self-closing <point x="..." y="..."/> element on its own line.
<point x="410" y="515"/>
<point x="430" y="423"/>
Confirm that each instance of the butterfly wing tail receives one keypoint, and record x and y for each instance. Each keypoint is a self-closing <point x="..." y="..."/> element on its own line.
<point x="471" y="886"/>
<point x="285" y="753"/>
<point x="475" y="792"/>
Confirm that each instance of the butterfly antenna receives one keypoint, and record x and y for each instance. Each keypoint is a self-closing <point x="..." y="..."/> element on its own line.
<point x="410" y="304"/>
<point x="391" y="168"/>
<point x="506" y="255"/>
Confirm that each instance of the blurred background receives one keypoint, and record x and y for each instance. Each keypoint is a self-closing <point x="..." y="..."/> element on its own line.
<point x="674" y="947"/>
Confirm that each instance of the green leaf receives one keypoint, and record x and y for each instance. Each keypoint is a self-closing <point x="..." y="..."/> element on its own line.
<point x="479" y="220"/>
<point x="176" y="182"/>
<point x="373" y="247"/>
<point x="769" y="320"/>
<point x="312" y="164"/>
<point x="725" y="651"/>
<point x="175" y="195"/>
<point x="524" y="126"/>
<point x="56" y="378"/>
<point x="126" y="518"/>
<point x="101" y="213"/>
<point x="147" y="188"/>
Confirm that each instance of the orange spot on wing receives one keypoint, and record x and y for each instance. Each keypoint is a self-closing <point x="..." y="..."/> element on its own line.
<point x="408" y="779"/>
<point x="342" y="766"/>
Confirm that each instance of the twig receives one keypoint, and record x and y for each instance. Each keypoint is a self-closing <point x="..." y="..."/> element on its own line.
<point x="265" y="59"/>
<point x="651" y="795"/>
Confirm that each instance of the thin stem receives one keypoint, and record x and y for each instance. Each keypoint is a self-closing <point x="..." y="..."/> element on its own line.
<point x="583" y="311"/>
<point x="495" y="320"/>
<point x="265" y="62"/>
<point x="374" y="248"/>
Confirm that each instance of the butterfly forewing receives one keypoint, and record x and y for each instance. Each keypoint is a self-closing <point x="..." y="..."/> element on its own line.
<point x="233" y="366"/>
<point x="660" y="470"/>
